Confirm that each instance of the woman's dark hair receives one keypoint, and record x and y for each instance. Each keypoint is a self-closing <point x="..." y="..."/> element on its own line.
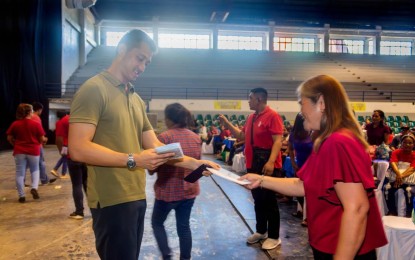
<point x="381" y="115"/>
<point x="179" y="115"/>
<point x="298" y="131"/>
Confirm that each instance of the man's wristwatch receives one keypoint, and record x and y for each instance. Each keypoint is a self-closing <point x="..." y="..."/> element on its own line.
<point x="131" y="162"/>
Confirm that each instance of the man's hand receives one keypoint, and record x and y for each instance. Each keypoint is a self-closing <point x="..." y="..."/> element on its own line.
<point x="223" y="120"/>
<point x="268" y="169"/>
<point x="150" y="160"/>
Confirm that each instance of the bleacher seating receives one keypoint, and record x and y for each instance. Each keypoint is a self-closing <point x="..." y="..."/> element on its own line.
<point x="230" y="74"/>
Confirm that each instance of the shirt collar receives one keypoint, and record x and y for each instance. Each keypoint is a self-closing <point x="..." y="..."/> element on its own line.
<point x="116" y="83"/>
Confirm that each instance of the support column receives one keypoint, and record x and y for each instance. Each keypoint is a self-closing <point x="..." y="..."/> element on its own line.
<point x="156" y="30"/>
<point x="82" y="38"/>
<point x="271" y="34"/>
<point x="366" y="46"/>
<point x="215" y="37"/>
<point x="326" y="37"/>
<point x="97" y="33"/>
<point x="378" y="39"/>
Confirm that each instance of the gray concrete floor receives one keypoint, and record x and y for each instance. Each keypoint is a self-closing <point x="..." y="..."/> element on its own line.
<point x="221" y="219"/>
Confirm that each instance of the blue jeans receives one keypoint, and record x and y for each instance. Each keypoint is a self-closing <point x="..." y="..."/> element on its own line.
<point x="62" y="161"/>
<point x="79" y="176"/>
<point x="42" y="167"/>
<point x="119" y="230"/>
<point x="22" y="162"/>
<point x="161" y="210"/>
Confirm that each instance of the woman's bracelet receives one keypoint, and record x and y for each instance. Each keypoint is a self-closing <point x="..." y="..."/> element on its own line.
<point x="261" y="181"/>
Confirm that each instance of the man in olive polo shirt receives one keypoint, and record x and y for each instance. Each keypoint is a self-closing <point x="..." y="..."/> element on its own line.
<point x="109" y="130"/>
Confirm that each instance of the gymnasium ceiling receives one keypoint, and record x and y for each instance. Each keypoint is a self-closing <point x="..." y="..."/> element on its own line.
<point x="363" y="14"/>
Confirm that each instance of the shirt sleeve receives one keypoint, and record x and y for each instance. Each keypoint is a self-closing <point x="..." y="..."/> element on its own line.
<point x="394" y="156"/>
<point x="276" y="127"/>
<point x="346" y="161"/>
<point x="87" y="104"/>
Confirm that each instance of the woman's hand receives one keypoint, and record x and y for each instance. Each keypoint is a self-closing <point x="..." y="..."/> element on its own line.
<point x="255" y="180"/>
<point x="398" y="181"/>
<point x="210" y="164"/>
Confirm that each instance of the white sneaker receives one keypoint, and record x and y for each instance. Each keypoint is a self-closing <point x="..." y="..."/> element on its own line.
<point x="271" y="243"/>
<point x="64" y="176"/>
<point x="256" y="237"/>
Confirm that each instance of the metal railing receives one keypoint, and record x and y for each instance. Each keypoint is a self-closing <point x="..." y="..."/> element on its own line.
<point x="67" y="91"/>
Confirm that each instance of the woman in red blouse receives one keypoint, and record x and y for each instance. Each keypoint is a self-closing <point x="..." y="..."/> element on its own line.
<point x="343" y="217"/>
<point x="26" y="136"/>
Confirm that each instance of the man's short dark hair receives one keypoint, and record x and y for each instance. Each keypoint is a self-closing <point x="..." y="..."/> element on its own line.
<point x="261" y="93"/>
<point x="133" y="39"/>
<point x="37" y="106"/>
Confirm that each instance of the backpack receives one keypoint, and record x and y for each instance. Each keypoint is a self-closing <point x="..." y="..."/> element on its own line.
<point x="383" y="152"/>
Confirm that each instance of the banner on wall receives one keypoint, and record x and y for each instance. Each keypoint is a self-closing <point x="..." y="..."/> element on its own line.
<point x="227" y="104"/>
<point x="358" y="106"/>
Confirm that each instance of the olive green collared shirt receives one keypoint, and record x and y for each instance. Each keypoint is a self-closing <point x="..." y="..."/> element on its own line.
<point x="120" y="118"/>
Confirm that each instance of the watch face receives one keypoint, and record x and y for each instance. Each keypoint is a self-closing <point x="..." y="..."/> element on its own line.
<point x="131" y="163"/>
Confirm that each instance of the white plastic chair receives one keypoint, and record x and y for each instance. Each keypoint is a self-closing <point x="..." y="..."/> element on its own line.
<point x="381" y="174"/>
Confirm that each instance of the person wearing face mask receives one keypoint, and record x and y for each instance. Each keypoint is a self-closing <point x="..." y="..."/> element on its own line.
<point x="110" y="132"/>
<point x="344" y="221"/>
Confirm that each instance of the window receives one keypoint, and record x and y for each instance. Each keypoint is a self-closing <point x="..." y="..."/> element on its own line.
<point x="371" y="48"/>
<point x="294" y="44"/>
<point x="113" y="38"/>
<point x="395" y="48"/>
<point x="184" y="41"/>
<point x="346" y="46"/>
<point x="234" y="42"/>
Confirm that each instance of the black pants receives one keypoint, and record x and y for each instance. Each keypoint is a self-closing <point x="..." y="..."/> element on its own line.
<point x="266" y="210"/>
<point x="318" y="255"/>
<point x="79" y="176"/>
<point x="119" y="230"/>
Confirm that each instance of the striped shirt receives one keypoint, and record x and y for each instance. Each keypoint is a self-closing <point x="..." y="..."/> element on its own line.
<point x="170" y="185"/>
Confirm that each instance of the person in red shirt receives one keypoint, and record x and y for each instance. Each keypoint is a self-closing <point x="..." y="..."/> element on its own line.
<point x="343" y="218"/>
<point x="172" y="192"/>
<point x="62" y="144"/>
<point x="26" y="136"/>
<point x="402" y="163"/>
<point x="262" y="133"/>
<point x="77" y="170"/>
<point x="44" y="178"/>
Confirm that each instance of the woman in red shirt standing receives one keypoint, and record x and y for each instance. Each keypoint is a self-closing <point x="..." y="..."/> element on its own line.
<point x="343" y="218"/>
<point x="171" y="191"/>
<point x="26" y="136"/>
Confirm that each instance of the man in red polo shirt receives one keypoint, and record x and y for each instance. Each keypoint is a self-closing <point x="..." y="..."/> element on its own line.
<point x="263" y="139"/>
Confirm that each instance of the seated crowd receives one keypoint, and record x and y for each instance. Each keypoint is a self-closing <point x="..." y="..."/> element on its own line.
<point x="385" y="144"/>
<point x="398" y="149"/>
